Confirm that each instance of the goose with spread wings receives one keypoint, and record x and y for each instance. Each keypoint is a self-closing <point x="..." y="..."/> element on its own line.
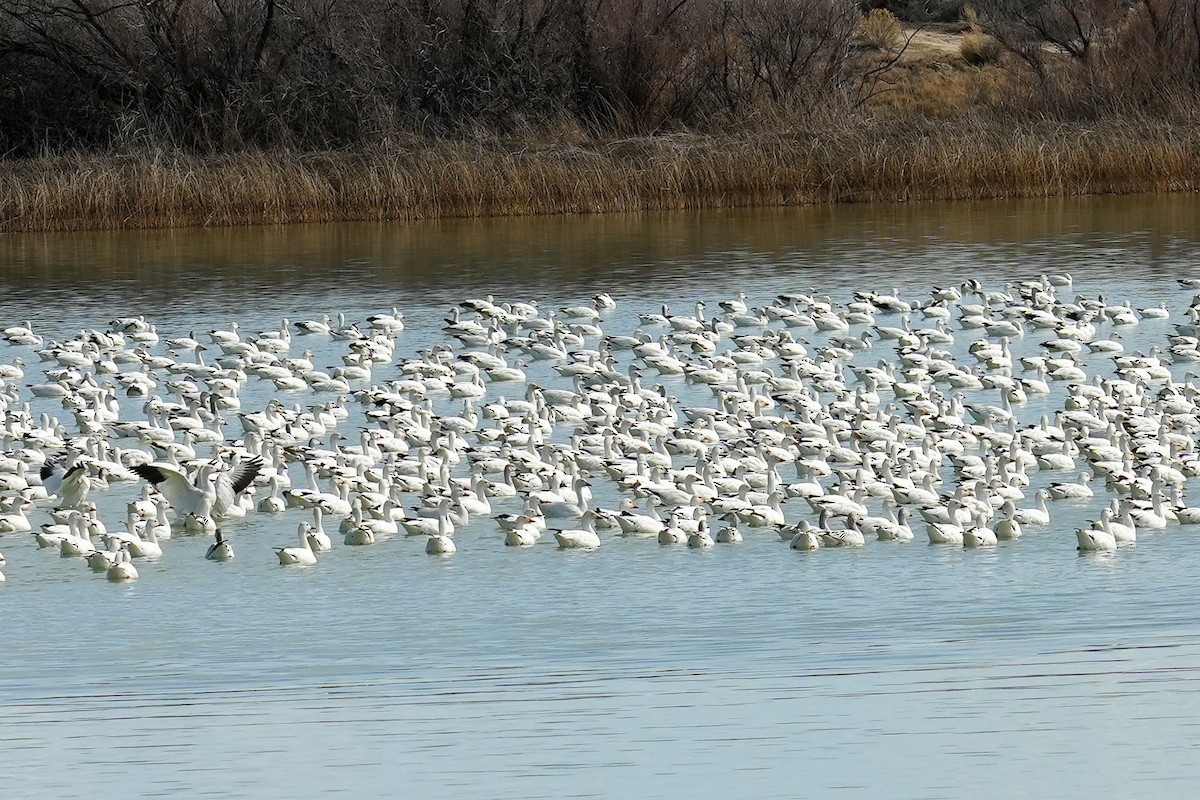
<point x="209" y="494"/>
<point x="68" y="482"/>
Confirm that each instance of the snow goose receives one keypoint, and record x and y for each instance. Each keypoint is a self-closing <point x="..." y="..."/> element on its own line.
<point x="221" y="549"/>
<point x="979" y="534"/>
<point x="204" y="496"/>
<point x="70" y="483"/>
<point x="359" y="536"/>
<point x="78" y="539"/>
<point x="1072" y="490"/>
<point x="303" y="554"/>
<point x="1007" y="528"/>
<point x="100" y="560"/>
<point x="728" y="533"/>
<point x="229" y="336"/>
<point x="764" y="514"/>
<point x="429" y="525"/>
<point x="522" y="534"/>
<point x="314" y="326"/>
<point x="318" y="539"/>
<point x="389" y="323"/>
<point x="272" y="503"/>
<point x="672" y="533"/>
<point x="122" y="568"/>
<point x="891" y="528"/>
<point x="559" y="509"/>
<point x="633" y="524"/>
<point x="701" y="538"/>
<point x="148" y="547"/>
<point x="13" y="518"/>
<point x="1032" y="516"/>
<point x="1093" y="539"/>
<point x="1159" y="312"/>
<point x="440" y="543"/>
<point x="357" y="523"/>
<point x="584" y="538"/>
<point x="805" y="538"/>
<point x="849" y="536"/>
<point x="950" y="532"/>
<point x="53" y="534"/>
<point x="1153" y="518"/>
<point x="1123" y="531"/>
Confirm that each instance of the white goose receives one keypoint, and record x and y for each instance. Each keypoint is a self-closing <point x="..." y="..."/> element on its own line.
<point x="1008" y="529"/>
<point x="302" y="555"/>
<point x="52" y="534"/>
<point x="979" y="534"/>
<point x="208" y="495"/>
<point x="1124" y="529"/>
<point x="440" y="543"/>
<point x="944" y="532"/>
<point x="1093" y="539"/>
<point x="729" y="534"/>
<point x="122" y="568"/>
<point x="1072" y="490"/>
<point x="523" y="536"/>
<point x="805" y="538"/>
<point x="359" y="536"/>
<point x="632" y="524"/>
<point x="318" y="539"/>
<point x="701" y="538"/>
<point x="14" y="518"/>
<point x="145" y="548"/>
<point x="584" y="538"/>
<point x="221" y="549"/>
<point x="850" y="536"/>
<point x="272" y="503"/>
<point x="1032" y="516"/>
<point x="78" y="540"/>
<point x="429" y="526"/>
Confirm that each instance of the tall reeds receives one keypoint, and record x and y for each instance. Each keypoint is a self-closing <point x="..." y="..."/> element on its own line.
<point x="881" y="162"/>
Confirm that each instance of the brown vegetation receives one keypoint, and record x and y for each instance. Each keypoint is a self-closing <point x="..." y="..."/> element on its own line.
<point x="214" y="112"/>
<point x="887" y="161"/>
<point x="880" y="29"/>
<point x="978" y="48"/>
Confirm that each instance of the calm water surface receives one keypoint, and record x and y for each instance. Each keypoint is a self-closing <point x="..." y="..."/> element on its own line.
<point x="900" y="671"/>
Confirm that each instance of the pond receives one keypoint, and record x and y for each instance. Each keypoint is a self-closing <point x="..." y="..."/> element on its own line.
<point x="633" y="670"/>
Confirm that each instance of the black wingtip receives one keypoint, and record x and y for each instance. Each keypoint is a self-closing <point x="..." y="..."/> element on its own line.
<point x="148" y="472"/>
<point x="246" y="473"/>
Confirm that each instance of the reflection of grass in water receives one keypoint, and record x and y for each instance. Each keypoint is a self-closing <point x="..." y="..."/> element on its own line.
<point x="879" y="161"/>
<point x="154" y="271"/>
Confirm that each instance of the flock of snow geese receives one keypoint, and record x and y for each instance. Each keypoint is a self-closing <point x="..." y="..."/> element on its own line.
<point x="823" y="424"/>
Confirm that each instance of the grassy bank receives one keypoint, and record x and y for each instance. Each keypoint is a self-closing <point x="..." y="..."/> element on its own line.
<point x="648" y="106"/>
<point x="887" y="161"/>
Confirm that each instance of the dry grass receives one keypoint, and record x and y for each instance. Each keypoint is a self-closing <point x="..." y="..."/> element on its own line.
<point x="879" y="30"/>
<point x="978" y="49"/>
<point x="931" y="79"/>
<point x="937" y="89"/>
<point x="886" y="161"/>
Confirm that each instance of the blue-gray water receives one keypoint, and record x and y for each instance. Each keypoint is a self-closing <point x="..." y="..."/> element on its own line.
<point x="898" y="670"/>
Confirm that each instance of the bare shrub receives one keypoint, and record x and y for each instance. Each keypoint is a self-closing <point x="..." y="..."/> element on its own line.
<point x="1090" y="58"/>
<point x="879" y="30"/>
<point x="920" y="11"/>
<point x="784" y="55"/>
<point x="221" y="74"/>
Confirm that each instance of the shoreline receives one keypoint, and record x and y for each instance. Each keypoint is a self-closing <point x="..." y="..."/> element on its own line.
<point x="877" y="160"/>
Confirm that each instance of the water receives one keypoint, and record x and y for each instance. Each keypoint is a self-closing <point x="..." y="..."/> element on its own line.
<point x="1025" y="670"/>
